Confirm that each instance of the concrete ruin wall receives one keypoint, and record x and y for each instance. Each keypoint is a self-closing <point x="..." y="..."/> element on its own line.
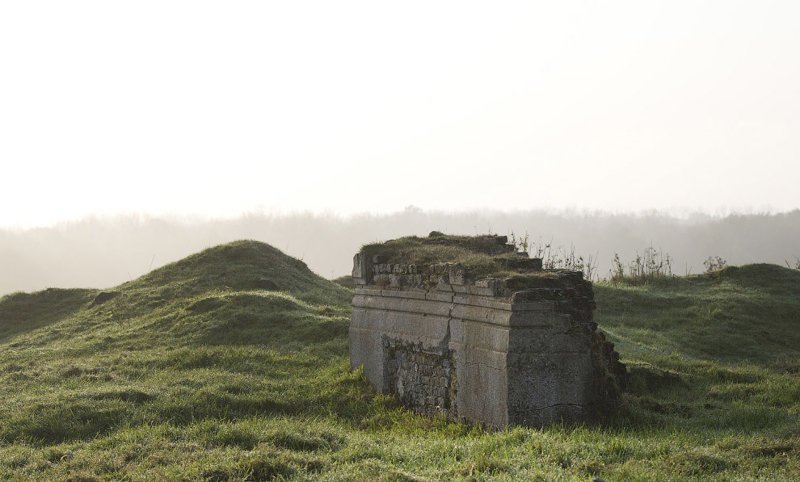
<point x="483" y="351"/>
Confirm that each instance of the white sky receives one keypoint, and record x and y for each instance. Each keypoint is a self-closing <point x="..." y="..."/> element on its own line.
<point x="215" y="108"/>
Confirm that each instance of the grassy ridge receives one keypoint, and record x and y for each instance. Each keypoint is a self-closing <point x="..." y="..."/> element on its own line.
<point x="232" y="365"/>
<point x="716" y="358"/>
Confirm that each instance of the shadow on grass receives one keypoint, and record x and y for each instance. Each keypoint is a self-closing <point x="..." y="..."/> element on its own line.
<point x="24" y="312"/>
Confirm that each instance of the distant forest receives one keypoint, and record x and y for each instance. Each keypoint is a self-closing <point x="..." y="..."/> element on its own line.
<point x="105" y="252"/>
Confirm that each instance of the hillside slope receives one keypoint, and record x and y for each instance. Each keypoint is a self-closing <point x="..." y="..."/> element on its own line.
<point x="717" y="353"/>
<point x="748" y="314"/>
<point x="232" y="365"/>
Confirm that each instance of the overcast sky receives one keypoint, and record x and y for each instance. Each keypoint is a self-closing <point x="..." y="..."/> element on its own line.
<point x="218" y="108"/>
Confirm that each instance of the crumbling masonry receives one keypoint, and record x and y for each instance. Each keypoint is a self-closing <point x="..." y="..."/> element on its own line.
<point x="519" y="350"/>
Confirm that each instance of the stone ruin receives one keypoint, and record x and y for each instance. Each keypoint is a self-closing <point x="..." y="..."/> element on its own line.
<point x="518" y="349"/>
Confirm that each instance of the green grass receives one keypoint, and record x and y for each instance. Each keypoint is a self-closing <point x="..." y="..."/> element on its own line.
<point x="232" y="365"/>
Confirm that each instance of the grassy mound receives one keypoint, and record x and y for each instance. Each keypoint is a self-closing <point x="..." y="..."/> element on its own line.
<point x="738" y="315"/>
<point x="21" y="312"/>
<point x="232" y="365"/>
<point x="718" y="351"/>
<point x="241" y="265"/>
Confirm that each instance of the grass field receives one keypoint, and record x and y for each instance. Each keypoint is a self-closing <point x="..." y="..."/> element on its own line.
<point x="203" y="370"/>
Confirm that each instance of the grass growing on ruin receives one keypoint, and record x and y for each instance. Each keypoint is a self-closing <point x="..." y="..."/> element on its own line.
<point x="469" y="251"/>
<point x="232" y="365"/>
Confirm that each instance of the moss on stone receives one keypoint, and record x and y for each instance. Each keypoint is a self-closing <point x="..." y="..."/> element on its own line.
<point x="484" y="256"/>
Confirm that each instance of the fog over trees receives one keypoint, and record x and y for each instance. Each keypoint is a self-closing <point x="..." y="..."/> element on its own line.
<point x="105" y="252"/>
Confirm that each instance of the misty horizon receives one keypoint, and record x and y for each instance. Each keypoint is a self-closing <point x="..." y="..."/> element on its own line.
<point x="680" y="214"/>
<point x="102" y="253"/>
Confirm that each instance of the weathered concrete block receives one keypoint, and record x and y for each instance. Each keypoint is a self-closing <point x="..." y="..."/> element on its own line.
<point x="516" y="351"/>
